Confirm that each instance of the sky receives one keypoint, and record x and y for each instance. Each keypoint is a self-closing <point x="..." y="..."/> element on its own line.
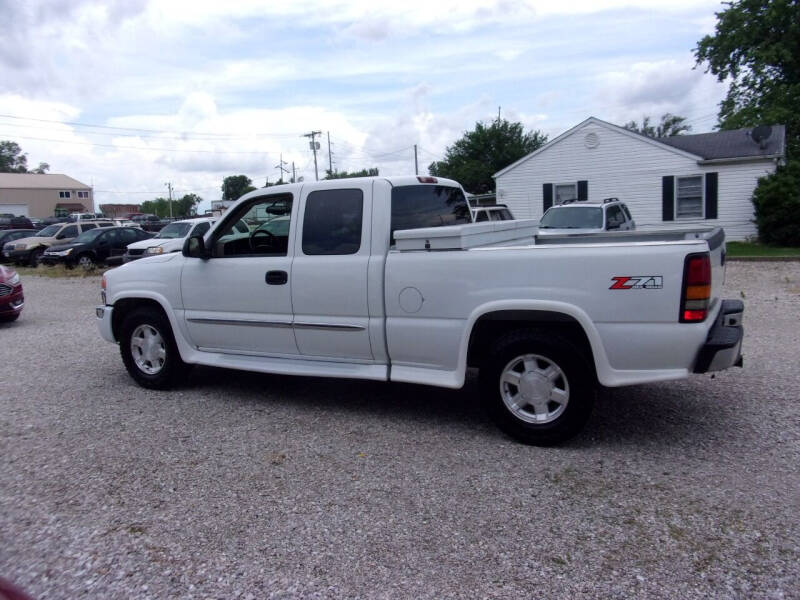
<point x="129" y="95"/>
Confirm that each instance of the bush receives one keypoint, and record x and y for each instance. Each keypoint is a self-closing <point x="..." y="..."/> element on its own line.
<point x="777" y="205"/>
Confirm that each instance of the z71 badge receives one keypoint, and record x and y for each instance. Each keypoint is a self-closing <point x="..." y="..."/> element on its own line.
<point x="638" y="282"/>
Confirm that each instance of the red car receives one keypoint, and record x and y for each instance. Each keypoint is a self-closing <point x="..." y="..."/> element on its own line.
<point x="11" y="298"/>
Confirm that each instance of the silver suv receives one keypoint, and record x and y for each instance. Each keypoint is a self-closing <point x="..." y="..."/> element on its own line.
<point x="576" y="216"/>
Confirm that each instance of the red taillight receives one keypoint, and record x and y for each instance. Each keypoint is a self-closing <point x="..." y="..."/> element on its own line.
<point x="103" y="283"/>
<point x="427" y="179"/>
<point x="696" y="288"/>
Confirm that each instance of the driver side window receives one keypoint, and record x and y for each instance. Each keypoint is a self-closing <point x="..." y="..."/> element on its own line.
<point x="258" y="228"/>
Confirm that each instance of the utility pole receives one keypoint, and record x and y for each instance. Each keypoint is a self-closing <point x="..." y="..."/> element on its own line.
<point x="330" y="155"/>
<point x="314" y="145"/>
<point x="498" y="114"/>
<point x="416" y="166"/>
<point x="169" y="187"/>
<point x="294" y="174"/>
<point x="281" y="168"/>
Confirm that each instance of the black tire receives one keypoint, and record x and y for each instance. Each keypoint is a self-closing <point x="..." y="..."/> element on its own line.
<point x="86" y="261"/>
<point x="577" y="377"/>
<point x="173" y="369"/>
<point x="35" y="257"/>
<point x="9" y="318"/>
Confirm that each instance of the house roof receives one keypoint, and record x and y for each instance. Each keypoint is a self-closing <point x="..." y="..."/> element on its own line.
<point x="735" y="143"/>
<point x="35" y="181"/>
<point x="601" y="123"/>
<point x="719" y="145"/>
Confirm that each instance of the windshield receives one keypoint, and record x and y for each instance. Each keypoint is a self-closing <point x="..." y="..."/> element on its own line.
<point x="49" y="231"/>
<point x="174" y="231"/>
<point x="88" y="236"/>
<point x="573" y="217"/>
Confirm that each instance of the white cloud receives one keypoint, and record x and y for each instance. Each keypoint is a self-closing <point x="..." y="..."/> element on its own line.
<point x="655" y="88"/>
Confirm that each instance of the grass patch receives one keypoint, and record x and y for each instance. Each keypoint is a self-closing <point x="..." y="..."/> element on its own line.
<point x="60" y="271"/>
<point x="749" y="249"/>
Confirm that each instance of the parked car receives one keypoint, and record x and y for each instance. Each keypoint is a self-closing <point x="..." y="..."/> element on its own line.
<point x="15" y="223"/>
<point x="11" y="235"/>
<point x="149" y="222"/>
<point x="29" y="250"/>
<point x="11" y="297"/>
<point x="37" y="223"/>
<point x="388" y="279"/>
<point x="93" y="247"/>
<point x="498" y="212"/>
<point x="53" y="220"/>
<point x="86" y="216"/>
<point x="125" y="223"/>
<point x="169" y="239"/>
<point x="586" y="217"/>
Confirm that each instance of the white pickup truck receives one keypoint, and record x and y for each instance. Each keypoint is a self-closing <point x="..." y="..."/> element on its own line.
<point x="388" y="279"/>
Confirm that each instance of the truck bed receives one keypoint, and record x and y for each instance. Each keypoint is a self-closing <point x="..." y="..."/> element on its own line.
<point x="524" y="232"/>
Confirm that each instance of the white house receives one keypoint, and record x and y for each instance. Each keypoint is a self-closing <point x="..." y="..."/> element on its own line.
<point x="681" y="181"/>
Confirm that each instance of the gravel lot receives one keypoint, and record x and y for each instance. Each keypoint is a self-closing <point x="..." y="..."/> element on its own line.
<point x="253" y="486"/>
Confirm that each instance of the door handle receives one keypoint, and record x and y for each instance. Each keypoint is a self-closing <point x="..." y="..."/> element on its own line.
<point x="276" y="277"/>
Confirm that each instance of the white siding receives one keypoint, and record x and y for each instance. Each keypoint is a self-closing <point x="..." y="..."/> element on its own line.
<point x="630" y="169"/>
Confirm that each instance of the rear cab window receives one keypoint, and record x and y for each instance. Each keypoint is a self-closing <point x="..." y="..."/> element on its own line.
<point x="332" y="222"/>
<point x="420" y="206"/>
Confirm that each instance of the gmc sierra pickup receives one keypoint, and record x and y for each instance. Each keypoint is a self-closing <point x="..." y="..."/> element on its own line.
<point x="389" y="279"/>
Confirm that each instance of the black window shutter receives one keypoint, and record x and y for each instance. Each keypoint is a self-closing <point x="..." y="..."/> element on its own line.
<point x="583" y="190"/>
<point x="711" y="195"/>
<point x="547" y="195"/>
<point x="668" y="198"/>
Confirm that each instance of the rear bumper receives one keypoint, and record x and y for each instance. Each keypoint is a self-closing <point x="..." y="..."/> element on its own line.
<point x="723" y="346"/>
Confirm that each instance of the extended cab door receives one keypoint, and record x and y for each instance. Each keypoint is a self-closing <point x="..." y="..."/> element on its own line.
<point x="329" y="272"/>
<point x="239" y="299"/>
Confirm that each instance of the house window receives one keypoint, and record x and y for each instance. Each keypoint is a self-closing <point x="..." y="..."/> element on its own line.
<point x="689" y="198"/>
<point x="66" y="195"/>
<point x="83" y="194"/>
<point x="566" y="191"/>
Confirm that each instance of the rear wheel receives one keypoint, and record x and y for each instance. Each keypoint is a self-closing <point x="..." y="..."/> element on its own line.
<point x="537" y="388"/>
<point x="149" y="351"/>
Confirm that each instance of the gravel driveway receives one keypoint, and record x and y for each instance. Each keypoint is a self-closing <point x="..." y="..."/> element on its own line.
<point x="254" y="486"/>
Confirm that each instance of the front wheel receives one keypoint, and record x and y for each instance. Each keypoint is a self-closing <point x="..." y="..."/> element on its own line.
<point x="149" y="351"/>
<point x="85" y="262"/>
<point x="36" y="257"/>
<point x="537" y="388"/>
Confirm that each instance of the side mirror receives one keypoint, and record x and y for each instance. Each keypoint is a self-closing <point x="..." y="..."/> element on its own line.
<point x="194" y="247"/>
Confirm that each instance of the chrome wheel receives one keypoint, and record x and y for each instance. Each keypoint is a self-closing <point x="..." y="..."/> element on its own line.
<point x="148" y="349"/>
<point x="85" y="262"/>
<point x="534" y="389"/>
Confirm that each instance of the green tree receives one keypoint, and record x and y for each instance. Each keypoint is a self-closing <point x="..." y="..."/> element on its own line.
<point x="235" y="186"/>
<point x="670" y="125"/>
<point x="159" y="207"/>
<point x="777" y="206"/>
<point x="482" y="152"/>
<point x="373" y="172"/>
<point x="186" y="206"/>
<point x="756" y="46"/>
<point x="14" y="160"/>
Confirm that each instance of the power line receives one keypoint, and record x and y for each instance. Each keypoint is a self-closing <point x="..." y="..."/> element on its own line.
<point x="25" y="137"/>
<point x="159" y="131"/>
